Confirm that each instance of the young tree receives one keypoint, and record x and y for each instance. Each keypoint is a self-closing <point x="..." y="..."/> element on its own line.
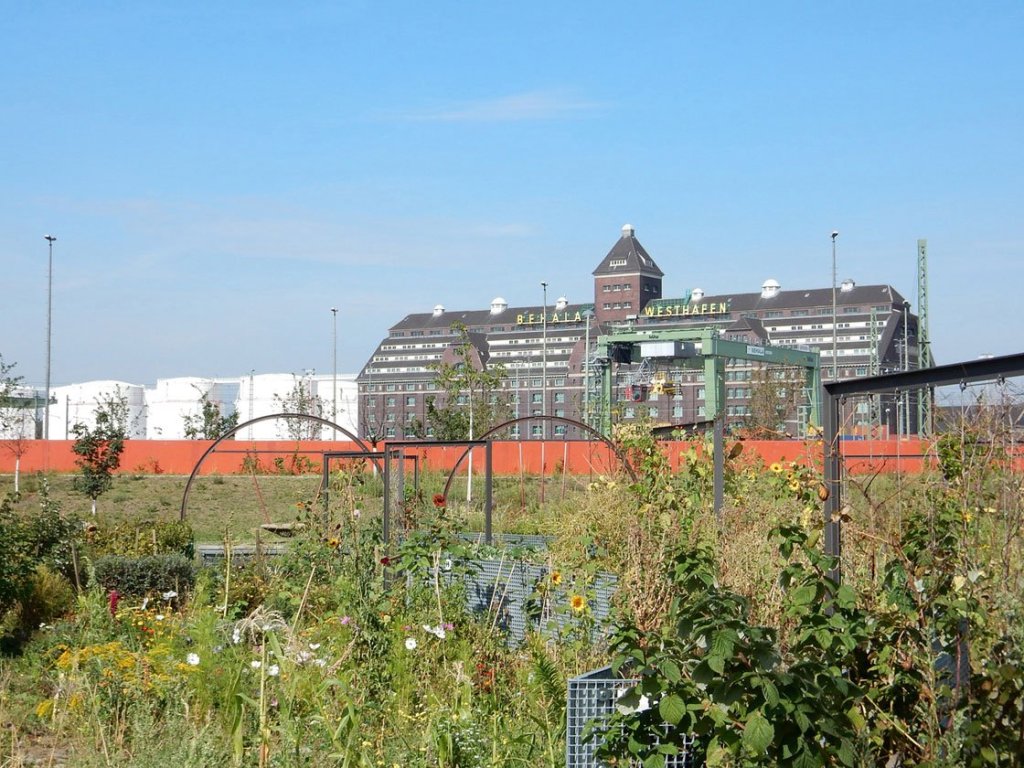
<point x="472" y="401"/>
<point x="301" y="400"/>
<point x="209" y="423"/>
<point x="99" y="449"/>
<point x="775" y="395"/>
<point x="16" y="421"/>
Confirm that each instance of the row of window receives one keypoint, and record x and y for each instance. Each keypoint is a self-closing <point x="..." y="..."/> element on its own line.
<point x="617" y="305"/>
<point x="616" y="287"/>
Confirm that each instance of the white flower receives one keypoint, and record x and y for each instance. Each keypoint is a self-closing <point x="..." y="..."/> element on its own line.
<point x="159" y="617"/>
<point x="437" y="631"/>
<point x="410" y="643"/>
<point x="255" y="664"/>
<point x="320" y="662"/>
<point x="273" y="670"/>
<point x="314" y="646"/>
<point x="356" y="513"/>
<point x="236" y="636"/>
<point x="192" y="659"/>
<point x="169" y="595"/>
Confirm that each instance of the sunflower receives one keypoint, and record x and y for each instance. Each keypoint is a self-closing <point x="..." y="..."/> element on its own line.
<point x="333" y="543"/>
<point x="578" y="603"/>
<point x="556" y="577"/>
<point x="775" y="467"/>
<point x="794" y="485"/>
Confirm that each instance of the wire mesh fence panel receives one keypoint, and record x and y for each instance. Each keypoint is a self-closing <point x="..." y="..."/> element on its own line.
<point x="592" y="698"/>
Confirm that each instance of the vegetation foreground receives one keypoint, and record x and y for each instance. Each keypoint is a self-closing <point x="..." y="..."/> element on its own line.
<point x="349" y="651"/>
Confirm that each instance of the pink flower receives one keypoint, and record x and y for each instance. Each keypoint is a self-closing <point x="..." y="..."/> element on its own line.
<point x="115" y="596"/>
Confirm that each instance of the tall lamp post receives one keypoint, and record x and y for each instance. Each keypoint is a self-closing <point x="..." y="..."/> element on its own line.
<point x="49" y="324"/>
<point x="544" y="363"/>
<point x="334" y="380"/>
<point x="835" y="234"/>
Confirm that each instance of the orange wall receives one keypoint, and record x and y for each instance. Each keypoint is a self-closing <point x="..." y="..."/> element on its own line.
<point x="579" y="457"/>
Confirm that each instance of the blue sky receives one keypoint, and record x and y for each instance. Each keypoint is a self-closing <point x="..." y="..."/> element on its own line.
<point x="219" y="175"/>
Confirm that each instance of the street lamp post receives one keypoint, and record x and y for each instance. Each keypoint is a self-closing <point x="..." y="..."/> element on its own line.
<point x="334" y="380"/>
<point x="49" y="324"/>
<point x="544" y="364"/>
<point x="835" y="234"/>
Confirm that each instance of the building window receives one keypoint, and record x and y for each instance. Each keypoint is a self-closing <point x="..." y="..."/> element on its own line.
<point x="391" y="402"/>
<point x="390" y="417"/>
<point x="538" y="382"/>
<point x="606" y="305"/>
<point x="410" y="400"/>
<point x="559" y="429"/>
<point x="606" y="289"/>
<point x="560" y="412"/>
<point x="559" y="397"/>
<point x="653" y="411"/>
<point x="389" y="432"/>
<point x="851" y="310"/>
<point x="629" y="412"/>
<point x="536" y="397"/>
<point x="537" y="430"/>
<point x="677" y="411"/>
<point x="627" y="305"/>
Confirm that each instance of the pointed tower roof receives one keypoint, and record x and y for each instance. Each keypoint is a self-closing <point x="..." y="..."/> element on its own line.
<point x="627" y="257"/>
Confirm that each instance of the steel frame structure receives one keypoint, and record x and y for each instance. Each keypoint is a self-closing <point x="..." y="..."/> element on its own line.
<point x="834" y="393"/>
<point x="714" y="351"/>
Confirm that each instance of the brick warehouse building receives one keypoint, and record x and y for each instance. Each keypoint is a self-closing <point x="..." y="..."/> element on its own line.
<point x="873" y="328"/>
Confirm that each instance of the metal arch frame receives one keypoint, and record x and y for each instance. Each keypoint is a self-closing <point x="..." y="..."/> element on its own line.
<point x="485" y="437"/>
<point x="258" y="419"/>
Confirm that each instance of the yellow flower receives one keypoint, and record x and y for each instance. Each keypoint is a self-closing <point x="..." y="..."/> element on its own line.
<point x="794" y="486"/>
<point x="578" y="603"/>
<point x="775" y="467"/>
<point x="556" y="577"/>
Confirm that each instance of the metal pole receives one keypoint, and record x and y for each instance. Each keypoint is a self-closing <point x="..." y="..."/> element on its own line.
<point x="906" y="367"/>
<point x="835" y="337"/>
<point x="49" y="324"/>
<point x="334" y="386"/>
<point x="544" y="364"/>
<point x="586" y="374"/>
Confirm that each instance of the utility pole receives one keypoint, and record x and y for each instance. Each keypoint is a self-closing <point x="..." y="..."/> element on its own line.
<point x="49" y="325"/>
<point x="835" y="234"/>
<point x="334" y="383"/>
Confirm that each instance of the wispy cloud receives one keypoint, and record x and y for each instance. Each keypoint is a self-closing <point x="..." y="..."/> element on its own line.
<point x="518" y="107"/>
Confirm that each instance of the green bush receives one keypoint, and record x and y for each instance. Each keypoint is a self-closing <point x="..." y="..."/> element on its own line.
<point x="49" y="597"/>
<point x="139" y="576"/>
<point x="144" y="538"/>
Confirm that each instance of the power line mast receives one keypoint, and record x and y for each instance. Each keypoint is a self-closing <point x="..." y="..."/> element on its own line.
<point x="924" y="350"/>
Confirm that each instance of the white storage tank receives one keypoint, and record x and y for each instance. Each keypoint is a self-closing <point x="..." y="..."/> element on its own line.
<point x="77" y="403"/>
